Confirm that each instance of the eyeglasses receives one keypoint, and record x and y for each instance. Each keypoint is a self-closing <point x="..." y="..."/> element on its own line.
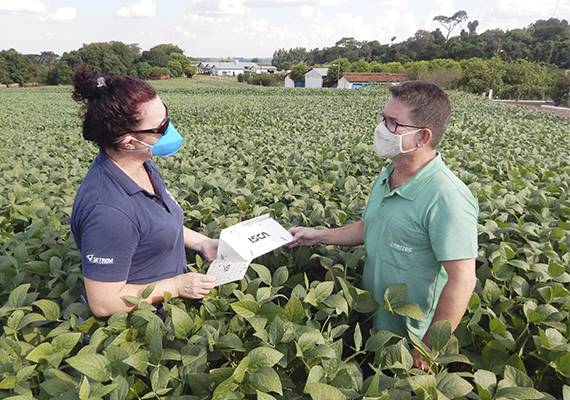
<point x="161" y="128"/>
<point x="392" y="125"/>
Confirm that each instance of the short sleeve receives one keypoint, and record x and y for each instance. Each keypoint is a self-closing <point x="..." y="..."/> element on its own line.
<point x="108" y="241"/>
<point x="452" y="226"/>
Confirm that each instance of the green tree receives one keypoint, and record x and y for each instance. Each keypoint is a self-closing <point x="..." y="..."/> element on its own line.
<point x="545" y="41"/>
<point x="560" y="89"/>
<point x="175" y="68"/>
<point x="187" y="68"/>
<point x="449" y="23"/>
<point x="104" y="57"/>
<point x="46" y="58"/>
<point x="551" y="29"/>
<point x="423" y="46"/>
<point x="108" y="57"/>
<point x="159" y="73"/>
<point x="375" y="66"/>
<point x="20" y="68"/>
<point x="181" y="58"/>
<point x="561" y="54"/>
<point x="477" y="76"/>
<point x="523" y="79"/>
<point x="4" y="72"/>
<point x="415" y="68"/>
<point x="143" y="69"/>
<point x="393" y="67"/>
<point x="265" y="79"/>
<point x="285" y="59"/>
<point x="158" y="56"/>
<point x="127" y="53"/>
<point x="298" y="72"/>
<point x="472" y="26"/>
<point x="360" y="66"/>
<point x="60" y="74"/>
<point x="337" y="67"/>
<point x="190" y="70"/>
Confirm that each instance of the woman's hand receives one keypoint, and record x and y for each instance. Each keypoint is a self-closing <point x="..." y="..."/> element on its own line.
<point x="193" y="285"/>
<point x="208" y="248"/>
<point x="201" y="243"/>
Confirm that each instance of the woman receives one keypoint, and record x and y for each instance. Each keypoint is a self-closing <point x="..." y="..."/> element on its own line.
<point x="126" y="224"/>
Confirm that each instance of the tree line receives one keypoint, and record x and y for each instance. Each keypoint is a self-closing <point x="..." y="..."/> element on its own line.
<point x="516" y="79"/>
<point x="164" y="60"/>
<point x="546" y="41"/>
<point x="527" y="63"/>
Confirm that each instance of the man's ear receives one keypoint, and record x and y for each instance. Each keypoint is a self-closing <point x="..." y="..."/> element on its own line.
<point x="427" y="136"/>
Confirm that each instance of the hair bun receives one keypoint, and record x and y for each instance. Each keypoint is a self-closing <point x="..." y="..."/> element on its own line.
<point x="88" y="84"/>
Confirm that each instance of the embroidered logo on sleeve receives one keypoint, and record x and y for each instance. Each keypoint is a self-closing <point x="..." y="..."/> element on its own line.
<point x="99" y="260"/>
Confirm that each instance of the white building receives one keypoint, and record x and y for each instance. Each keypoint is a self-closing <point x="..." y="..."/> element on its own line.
<point x="215" y="68"/>
<point x="355" y="80"/>
<point x="230" y="68"/>
<point x="265" y="69"/>
<point x="289" y="82"/>
<point x="314" y="77"/>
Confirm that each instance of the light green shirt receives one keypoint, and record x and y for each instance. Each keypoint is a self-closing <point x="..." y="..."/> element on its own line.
<point x="409" y="232"/>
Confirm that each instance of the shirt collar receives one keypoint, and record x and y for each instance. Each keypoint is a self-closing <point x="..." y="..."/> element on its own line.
<point x="121" y="177"/>
<point x="411" y="188"/>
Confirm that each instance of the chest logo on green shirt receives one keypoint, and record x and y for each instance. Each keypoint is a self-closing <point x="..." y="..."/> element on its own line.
<point x="400" y="246"/>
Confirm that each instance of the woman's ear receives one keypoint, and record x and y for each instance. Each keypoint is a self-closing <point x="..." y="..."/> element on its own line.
<point x="126" y="143"/>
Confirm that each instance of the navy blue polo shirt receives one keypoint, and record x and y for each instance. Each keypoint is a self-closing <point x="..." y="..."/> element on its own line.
<point x="123" y="232"/>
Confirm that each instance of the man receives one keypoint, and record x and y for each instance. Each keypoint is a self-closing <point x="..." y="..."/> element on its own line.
<point x="420" y="223"/>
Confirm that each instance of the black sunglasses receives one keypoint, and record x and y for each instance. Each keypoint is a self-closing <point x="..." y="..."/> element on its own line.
<point x="161" y="128"/>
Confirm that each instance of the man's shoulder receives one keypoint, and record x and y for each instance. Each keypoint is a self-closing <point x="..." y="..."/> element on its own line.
<point x="446" y="181"/>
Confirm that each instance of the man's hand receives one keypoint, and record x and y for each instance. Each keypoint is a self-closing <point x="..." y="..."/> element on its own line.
<point x="304" y="236"/>
<point x="347" y="235"/>
<point x="419" y="362"/>
<point x="208" y="248"/>
<point x="193" y="285"/>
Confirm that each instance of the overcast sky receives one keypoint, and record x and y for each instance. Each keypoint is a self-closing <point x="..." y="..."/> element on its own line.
<point x="248" y="28"/>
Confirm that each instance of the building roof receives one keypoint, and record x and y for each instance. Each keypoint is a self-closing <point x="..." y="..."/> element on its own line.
<point x="367" y="77"/>
<point x="321" y="71"/>
<point x="232" y="65"/>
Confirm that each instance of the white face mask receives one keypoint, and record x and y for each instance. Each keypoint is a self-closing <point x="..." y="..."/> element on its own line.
<point x="388" y="144"/>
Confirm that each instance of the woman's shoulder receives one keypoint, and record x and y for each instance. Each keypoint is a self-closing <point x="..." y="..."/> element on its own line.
<point x="100" y="189"/>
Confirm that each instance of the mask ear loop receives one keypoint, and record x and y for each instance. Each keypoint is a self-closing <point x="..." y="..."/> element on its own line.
<point x="402" y="151"/>
<point x="141" y="142"/>
<point x="136" y="140"/>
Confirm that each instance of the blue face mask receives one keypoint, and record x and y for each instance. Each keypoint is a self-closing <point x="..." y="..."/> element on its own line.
<point x="168" y="144"/>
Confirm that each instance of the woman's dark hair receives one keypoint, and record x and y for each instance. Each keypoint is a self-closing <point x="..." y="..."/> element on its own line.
<point x="111" y="104"/>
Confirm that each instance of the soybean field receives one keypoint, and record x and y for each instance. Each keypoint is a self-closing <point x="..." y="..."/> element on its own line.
<point x="298" y="326"/>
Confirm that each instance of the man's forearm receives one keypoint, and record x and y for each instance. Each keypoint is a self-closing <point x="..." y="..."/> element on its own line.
<point x="452" y="303"/>
<point x="348" y="235"/>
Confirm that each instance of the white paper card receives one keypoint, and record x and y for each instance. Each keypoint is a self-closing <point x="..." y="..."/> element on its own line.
<point x="241" y="243"/>
<point x="228" y="270"/>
